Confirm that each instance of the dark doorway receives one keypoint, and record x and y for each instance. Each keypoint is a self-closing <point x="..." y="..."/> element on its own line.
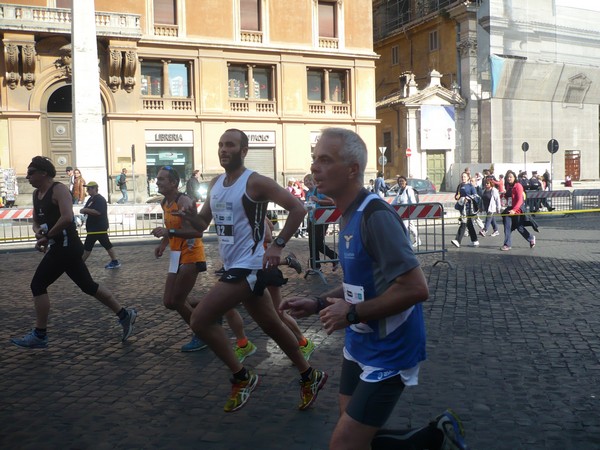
<point x="61" y="100"/>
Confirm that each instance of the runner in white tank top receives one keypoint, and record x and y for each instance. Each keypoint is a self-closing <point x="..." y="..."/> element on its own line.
<point x="237" y="202"/>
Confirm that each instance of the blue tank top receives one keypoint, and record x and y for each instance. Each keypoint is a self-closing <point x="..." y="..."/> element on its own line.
<point x="396" y="342"/>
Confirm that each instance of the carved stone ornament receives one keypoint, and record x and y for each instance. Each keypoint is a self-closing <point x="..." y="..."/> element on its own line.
<point x="467" y="47"/>
<point x="115" y="59"/>
<point x="65" y="61"/>
<point x="28" y="57"/>
<point x="129" y="70"/>
<point x="11" y="56"/>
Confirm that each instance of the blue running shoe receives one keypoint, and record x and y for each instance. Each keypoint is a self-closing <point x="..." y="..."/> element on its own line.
<point x="113" y="265"/>
<point x="194" y="345"/>
<point x="127" y="323"/>
<point x="452" y="428"/>
<point x="31" y="340"/>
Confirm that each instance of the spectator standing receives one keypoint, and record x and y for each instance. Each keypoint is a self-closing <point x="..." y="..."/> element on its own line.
<point x="192" y="187"/>
<point x="316" y="233"/>
<point x="380" y="187"/>
<point x="378" y="305"/>
<point x="122" y="184"/>
<point x="547" y="187"/>
<point x="96" y="225"/>
<point x="78" y="187"/>
<point x="406" y="196"/>
<point x="71" y="177"/>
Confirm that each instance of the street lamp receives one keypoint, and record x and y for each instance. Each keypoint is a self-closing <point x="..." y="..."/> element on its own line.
<point x="382" y="159"/>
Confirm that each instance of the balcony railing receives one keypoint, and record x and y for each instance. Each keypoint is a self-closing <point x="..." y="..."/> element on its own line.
<point x="168" y="104"/>
<point x="252" y="106"/>
<point x="328" y="42"/>
<point x="329" y="109"/>
<point x="36" y="18"/>
<point x="166" y="30"/>
<point x="255" y="37"/>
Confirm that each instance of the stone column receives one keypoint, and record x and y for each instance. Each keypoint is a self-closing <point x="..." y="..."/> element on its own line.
<point x="88" y="141"/>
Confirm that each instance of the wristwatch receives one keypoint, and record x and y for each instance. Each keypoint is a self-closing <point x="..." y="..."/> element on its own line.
<point x="352" y="316"/>
<point x="172" y="232"/>
<point x="279" y="242"/>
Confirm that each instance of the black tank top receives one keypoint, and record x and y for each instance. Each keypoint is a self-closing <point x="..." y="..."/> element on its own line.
<point x="48" y="213"/>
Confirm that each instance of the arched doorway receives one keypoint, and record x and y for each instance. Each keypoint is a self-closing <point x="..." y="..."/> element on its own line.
<point x="57" y="122"/>
<point x="59" y="127"/>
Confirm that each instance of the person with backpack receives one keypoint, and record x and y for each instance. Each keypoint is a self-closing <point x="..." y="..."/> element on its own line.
<point x="122" y="185"/>
<point x="408" y="196"/>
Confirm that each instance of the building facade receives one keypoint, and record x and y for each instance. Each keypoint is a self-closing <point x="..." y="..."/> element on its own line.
<point x="174" y="74"/>
<point x="527" y="72"/>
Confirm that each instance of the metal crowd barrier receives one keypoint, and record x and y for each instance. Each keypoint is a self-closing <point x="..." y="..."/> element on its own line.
<point x="427" y="218"/>
<point x="557" y="200"/>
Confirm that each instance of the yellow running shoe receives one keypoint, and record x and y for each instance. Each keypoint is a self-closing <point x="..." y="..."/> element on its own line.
<point x="310" y="389"/>
<point x="240" y="392"/>
<point x="243" y="352"/>
<point x="308" y="349"/>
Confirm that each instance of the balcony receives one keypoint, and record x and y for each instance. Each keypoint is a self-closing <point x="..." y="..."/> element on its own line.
<point x="166" y="30"/>
<point x="254" y="37"/>
<point x="56" y="20"/>
<point x="252" y="106"/>
<point x="328" y="43"/>
<point x="329" y="109"/>
<point x="168" y="104"/>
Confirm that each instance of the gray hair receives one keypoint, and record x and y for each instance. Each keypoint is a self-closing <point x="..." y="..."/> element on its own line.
<point x="354" y="149"/>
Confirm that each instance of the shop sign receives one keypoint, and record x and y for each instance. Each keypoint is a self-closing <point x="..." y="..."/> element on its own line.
<point x="260" y="138"/>
<point x="169" y="138"/>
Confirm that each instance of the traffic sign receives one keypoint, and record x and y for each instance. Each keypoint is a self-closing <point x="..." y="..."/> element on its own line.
<point x="552" y="146"/>
<point x="525" y="146"/>
<point x="408" y="152"/>
<point x="382" y="160"/>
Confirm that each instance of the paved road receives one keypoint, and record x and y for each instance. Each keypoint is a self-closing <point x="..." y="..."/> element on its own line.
<point x="513" y="347"/>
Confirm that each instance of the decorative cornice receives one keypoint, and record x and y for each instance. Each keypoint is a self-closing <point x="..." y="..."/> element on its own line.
<point x="28" y="58"/>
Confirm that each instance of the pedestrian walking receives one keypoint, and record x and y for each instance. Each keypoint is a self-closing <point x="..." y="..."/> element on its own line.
<point x="513" y="213"/>
<point x="466" y="203"/>
<point x="378" y="305"/>
<point x="122" y="185"/>
<point x="56" y="237"/>
<point x="96" y="225"/>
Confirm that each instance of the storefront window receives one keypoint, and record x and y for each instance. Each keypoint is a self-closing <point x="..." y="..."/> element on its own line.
<point x="177" y="157"/>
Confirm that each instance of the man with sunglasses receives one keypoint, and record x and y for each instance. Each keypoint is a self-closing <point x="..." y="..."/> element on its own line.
<point x="56" y="236"/>
<point x="237" y="202"/>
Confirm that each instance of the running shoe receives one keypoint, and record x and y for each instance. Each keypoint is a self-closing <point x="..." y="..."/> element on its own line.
<point x="474" y="244"/>
<point x="292" y="261"/>
<point x="452" y="428"/>
<point x="483" y="233"/>
<point x="113" y="265"/>
<point x="194" y="345"/>
<point x="127" y="323"/>
<point x="532" y="242"/>
<point x="495" y="233"/>
<point x="243" y="352"/>
<point x="310" y="389"/>
<point x="31" y="340"/>
<point x="308" y="349"/>
<point x="455" y="243"/>
<point x="505" y="248"/>
<point x="240" y="392"/>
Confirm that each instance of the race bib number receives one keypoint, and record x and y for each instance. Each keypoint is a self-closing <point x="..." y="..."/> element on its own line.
<point x="225" y="233"/>
<point x="356" y="294"/>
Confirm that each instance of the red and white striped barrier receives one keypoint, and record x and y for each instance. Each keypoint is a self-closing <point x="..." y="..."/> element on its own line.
<point x="10" y="214"/>
<point x="420" y="211"/>
<point x="326" y="215"/>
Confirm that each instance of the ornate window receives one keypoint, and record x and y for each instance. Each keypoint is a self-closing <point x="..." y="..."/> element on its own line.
<point x="327" y="90"/>
<point x="251" y="88"/>
<point x="166" y="85"/>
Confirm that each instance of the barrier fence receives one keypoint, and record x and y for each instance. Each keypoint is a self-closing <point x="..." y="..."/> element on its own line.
<point x="139" y="220"/>
<point x="424" y="222"/>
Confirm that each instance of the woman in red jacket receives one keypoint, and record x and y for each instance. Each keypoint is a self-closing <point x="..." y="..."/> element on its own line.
<point x="512" y="214"/>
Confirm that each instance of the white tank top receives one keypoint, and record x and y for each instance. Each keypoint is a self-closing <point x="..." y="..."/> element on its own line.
<point x="239" y="223"/>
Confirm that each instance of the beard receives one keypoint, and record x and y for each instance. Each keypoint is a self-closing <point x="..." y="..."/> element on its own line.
<point x="235" y="162"/>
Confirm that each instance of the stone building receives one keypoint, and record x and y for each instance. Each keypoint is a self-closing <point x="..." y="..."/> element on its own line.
<point x="174" y="74"/>
<point x="511" y="72"/>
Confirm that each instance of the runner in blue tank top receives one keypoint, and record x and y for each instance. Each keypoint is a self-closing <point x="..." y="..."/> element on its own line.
<point x="378" y="305"/>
